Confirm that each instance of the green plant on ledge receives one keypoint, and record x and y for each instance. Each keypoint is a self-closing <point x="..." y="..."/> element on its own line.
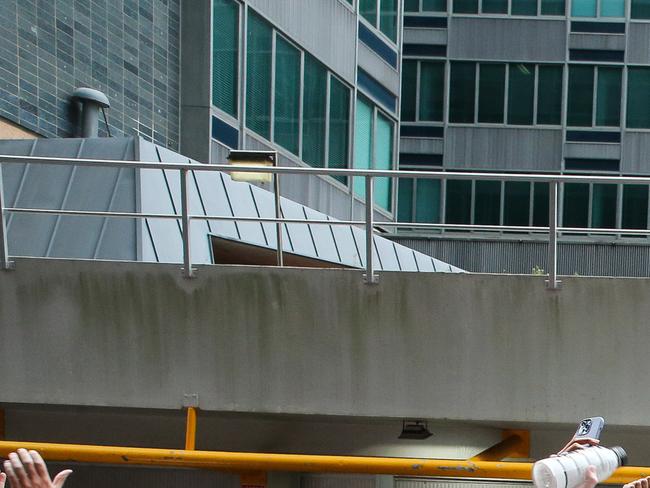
<point x="538" y="271"/>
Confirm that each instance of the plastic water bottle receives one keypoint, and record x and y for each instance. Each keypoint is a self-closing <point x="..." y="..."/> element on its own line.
<point x="568" y="470"/>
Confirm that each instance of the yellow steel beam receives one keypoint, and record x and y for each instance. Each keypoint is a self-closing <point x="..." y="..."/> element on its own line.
<point x="246" y="462"/>
<point x="515" y="444"/>
<point x="190" y="429"/>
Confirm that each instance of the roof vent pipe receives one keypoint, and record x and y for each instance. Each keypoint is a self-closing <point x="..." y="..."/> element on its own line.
<point x="91" y="101"/>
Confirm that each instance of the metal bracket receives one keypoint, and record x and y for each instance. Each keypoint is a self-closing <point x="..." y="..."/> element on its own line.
<point x="191" y="400"/>
<point x="550" y="287"/>
<point x="372" y="281"/>
<point x="189" y="276"/>
<point x="8" y="266"/>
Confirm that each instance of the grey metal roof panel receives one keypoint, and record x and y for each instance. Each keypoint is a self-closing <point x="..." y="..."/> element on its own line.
<point x="406" y="258"/>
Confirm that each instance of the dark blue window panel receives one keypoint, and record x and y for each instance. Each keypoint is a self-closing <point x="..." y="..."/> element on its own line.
<point x="378" y="91"/>
<point x="414" y="159"/>
<point x="375" y="43"/>
<point x="225" y="133"/>
<point x="598" y="27"/>
<point x="592" y="164"/>
<point x="422" y="21"/>
<point x="592" y="136"/>
<point x="421" y="131"/>
<point x="596" y="55"/>
<point x="424" y="50"/>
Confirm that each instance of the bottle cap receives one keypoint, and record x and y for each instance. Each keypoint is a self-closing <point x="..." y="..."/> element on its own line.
<point x="621" y="454"/>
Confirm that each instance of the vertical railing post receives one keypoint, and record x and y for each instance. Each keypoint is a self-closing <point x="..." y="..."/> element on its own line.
<point x="552" y="283"/>
<point x="5" y="262"/>
<point x="278" y="215"/>
<point x="185" y="219"/>
<point x="369" y="277"/>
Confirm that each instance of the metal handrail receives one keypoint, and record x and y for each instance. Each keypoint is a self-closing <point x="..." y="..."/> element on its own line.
<point x="369" y="175"/>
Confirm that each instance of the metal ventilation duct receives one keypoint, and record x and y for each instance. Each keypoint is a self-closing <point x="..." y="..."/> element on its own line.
<point x="91" y="101"/>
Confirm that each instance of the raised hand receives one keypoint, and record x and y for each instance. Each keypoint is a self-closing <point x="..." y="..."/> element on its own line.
<point x="26" y="469"/>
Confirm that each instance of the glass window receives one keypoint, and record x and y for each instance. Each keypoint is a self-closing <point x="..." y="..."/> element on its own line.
<point x="540" y="204"/>
<point x="488" y="202"/>
<point x="461" y="96"/>
<point x="363" y="128"/>
<point x="524" y="7"/>
<point x="583" y="8"/>
<point x="409" y="89"/>
<point x="640" y="9"/>
<point x="549" y="95"/>
<point x="411" y="5"/>
<point x="638" y="97"/>
<point x="434" y="5"/>
<point x="635" y="207"/>
<point x="432" y="86"/>
<point x="368" y="10"/>
<point x="491" y="92"/>
<point x="608" y="97"/>
<point x="427" y="203"/>
<point x="313" y="112"/>
<point x="581" y="93"/>
<point x="388" y="18"/>
<point x="258" y="76"/>
<point x="383" y="159"/>
<point x="495" y="6"/>
<point x="225" y="22"/>
<point x="603" y="206"/>
<point x="553" y="7"/>
<point x="339" y="132"/>
<point x="576" y="204"/>
<point x="516" y="203"/>
<point x="287" y="95"/>
<point x="458" y="202"/>
<point x="465" y="6"/>
<point x="405" y="200"/>
<point x="521" y="93"/>
<point x="612" y="8"/>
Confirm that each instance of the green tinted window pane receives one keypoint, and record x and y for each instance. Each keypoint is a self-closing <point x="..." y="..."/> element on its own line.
<point x="405" y="200"/>
<point x="368" y="10"/>
<point x="516" y="203"/>
<point x="553" y="7"/>
<point x="581" y="90"/>
<point x="434" y="5"/>
<point x="640" y="9"/>
<point x="383" y="159"/>
<point x="287" y="95"/>
<point x="258" y="76"/>
<point x="495" y="6"/>
<point x="583" y="8"/>
<point x="461" y="92"/>
<point x="549" y="95"/>
<point x="313" y="112"/>
<point x="603" y="206"/>
<point x="521" y="93"/>
<point x="576" y="204"/>
<point x="524" y="7"/>
<point x="465" y="6"/>
<point x="432" y="87"/>
<point x="409" y="89"/>
<point x="427" y="203"/>
<point x="458" y="202"/>
<point x="635" y="207"/>
<point x="363" y="127"/>
<point x="491" y="92"/>
<point x="540" y="204"/>
<point x="608" y="97"/>
<point x="411" y="5"/>
<point x="388" y="18"/>
<point x="638" y="97"/>
<point x="488" y="202"/>
<point x="339" y="126"/>
<point x="225" y="22"/>
<point x="612" y="8"/>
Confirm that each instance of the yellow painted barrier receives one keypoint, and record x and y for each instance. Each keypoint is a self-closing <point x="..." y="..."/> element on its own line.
<point x="244" y="461"/>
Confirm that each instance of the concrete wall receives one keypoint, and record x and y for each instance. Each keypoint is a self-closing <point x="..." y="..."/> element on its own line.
<point x="466" y="347"/>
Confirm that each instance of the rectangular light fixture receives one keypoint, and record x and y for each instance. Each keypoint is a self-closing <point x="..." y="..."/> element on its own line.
<point x="415" y="429"/>
<point x="252" y="158"/>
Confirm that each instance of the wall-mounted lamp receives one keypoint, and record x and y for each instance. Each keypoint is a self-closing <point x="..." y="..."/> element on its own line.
<point x="415" y="429"/>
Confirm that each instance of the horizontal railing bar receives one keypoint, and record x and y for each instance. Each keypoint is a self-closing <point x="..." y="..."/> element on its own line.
<point x="443" y="175"/>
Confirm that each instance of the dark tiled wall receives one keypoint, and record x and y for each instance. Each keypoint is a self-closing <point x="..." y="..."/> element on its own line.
<point x="129" y="49"/>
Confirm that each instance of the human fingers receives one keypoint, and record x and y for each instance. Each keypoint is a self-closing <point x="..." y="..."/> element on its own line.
<point x="575" y="444"/>
<point x="13" y="479"/>
<point x="39" y="464"/>
<point x="591" y="478"/>
<point x="3" y="479"/>
<point x="19" y="469"/>
<point x="60" y="478"/>
<point x="644" y="482"/>
<point x="28" y="463"/>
